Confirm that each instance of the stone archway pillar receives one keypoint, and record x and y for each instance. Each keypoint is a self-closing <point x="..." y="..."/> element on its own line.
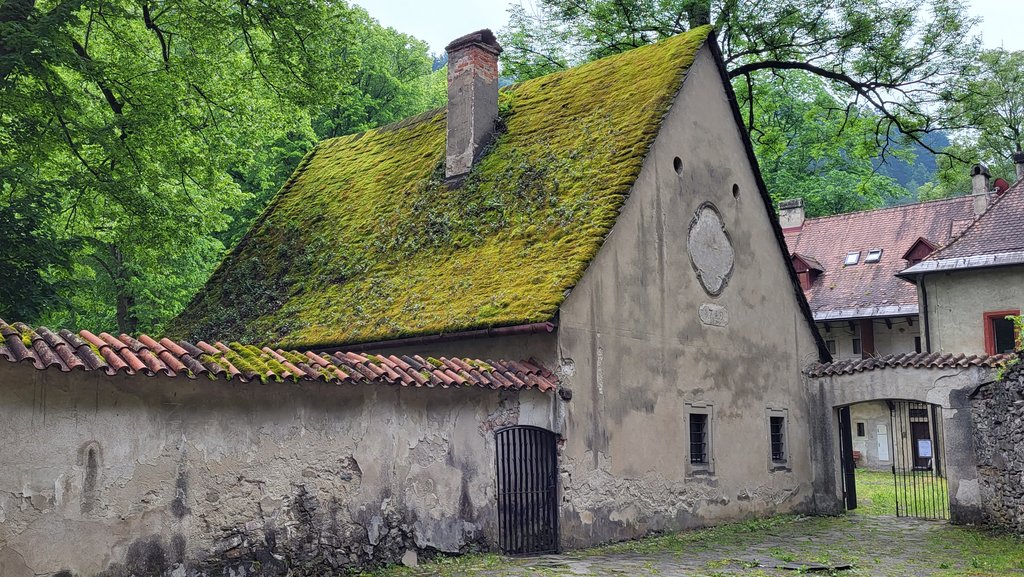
<point x="948" y="388"/>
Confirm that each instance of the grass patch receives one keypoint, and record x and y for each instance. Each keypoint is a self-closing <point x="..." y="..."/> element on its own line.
<point x="876" y="547"/>
<point x="878" y="494"/>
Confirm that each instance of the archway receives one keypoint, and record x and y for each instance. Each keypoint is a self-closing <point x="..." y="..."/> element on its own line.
<point x="893" y="459"/>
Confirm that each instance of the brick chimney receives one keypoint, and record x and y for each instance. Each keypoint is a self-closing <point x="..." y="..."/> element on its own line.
<point x="1018" y="161"/>
<point x="472" y="100"/>
<point x="791" y="214"/>
<point x="979" y="188"/>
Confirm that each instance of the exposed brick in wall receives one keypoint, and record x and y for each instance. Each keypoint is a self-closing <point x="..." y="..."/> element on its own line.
<point x="998" y="413"/>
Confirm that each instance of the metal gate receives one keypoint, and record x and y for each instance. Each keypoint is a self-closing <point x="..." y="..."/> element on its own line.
<point x="919" y="479"/>
<point x="527" y="470"/>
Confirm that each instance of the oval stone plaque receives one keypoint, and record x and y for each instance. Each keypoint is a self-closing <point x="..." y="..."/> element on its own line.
<point x="710" y="249"/>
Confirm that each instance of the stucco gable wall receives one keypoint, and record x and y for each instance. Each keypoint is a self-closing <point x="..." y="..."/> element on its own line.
<point x="638" y="351"/>
<point x="101" y="470"/>
<point x="958" y="301"/>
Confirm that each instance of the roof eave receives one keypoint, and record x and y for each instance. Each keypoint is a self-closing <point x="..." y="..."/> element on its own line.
<point x="1011" y="258"/>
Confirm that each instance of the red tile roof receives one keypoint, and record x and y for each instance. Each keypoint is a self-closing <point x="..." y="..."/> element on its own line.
<point x="993" y="239"/>
<point x="67" y="351"/>
<point x="872" y="289"/>
<point x="907" y="360"/>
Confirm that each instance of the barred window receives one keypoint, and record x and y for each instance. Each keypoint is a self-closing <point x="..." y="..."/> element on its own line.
<point x="698" y="438"/>
<point x="778" y="438"/>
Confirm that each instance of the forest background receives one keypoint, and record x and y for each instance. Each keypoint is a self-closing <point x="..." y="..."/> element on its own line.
<point x="140" y="138"/>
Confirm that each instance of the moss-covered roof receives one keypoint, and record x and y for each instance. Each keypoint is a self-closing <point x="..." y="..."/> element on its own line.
<point x="366" y="243"/>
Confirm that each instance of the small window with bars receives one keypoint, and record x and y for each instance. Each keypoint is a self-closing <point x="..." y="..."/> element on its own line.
<point x="778" y="438"/>
<point x="699" y="439"/>
<point x="699" y="430"/>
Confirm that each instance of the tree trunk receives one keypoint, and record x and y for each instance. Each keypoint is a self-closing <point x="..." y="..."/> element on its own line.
<point x="127" y="321"/>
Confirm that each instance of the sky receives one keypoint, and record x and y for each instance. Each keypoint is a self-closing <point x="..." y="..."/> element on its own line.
<point x="441" y="21"/>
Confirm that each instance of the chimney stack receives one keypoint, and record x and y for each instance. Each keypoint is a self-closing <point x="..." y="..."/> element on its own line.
<point x="791" y="214"/>
<point x="1018" y="161"/>
<point x="979" y="188"/>
<point x="472" y="101"/>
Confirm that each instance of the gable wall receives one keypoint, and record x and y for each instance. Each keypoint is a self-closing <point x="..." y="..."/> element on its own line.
<point x="635" y="351"/>
<point x="958" y="301"/>
<point x="218" y="478"/>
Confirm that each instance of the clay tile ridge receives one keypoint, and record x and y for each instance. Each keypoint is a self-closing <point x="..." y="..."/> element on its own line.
<point x="65" y="351"/>
<point x="907" y="360"/>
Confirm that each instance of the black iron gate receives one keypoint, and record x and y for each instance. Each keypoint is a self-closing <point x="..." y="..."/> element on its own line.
<point x="527" y="470"/>
<point x="919" y="480"/>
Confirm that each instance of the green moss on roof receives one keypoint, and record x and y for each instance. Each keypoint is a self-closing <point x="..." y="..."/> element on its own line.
<point x="366" y="243"/>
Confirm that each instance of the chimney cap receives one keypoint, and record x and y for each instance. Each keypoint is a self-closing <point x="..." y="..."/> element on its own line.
<point x="1018" y="157"/>
<point x="791" y="203"/>
<point x="979" y="169"/>
<point x="482" y="38"/>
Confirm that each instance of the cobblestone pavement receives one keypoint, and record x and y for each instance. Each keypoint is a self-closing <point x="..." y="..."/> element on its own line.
<point x="875" y="546"/>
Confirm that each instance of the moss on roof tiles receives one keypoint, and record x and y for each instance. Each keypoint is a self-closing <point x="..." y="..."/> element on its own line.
<point x="366" y="243"/>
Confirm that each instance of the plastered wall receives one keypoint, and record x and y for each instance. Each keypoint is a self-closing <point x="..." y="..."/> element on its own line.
<point x="958" y="301"/>
<point x="159" y="476"/>
<point x="643" y="344"/>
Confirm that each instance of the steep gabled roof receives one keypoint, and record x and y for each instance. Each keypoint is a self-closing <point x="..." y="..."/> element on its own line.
<point x="996" y="238"/>
<point x="366" y="243"/>
<point x="873" y="289"/>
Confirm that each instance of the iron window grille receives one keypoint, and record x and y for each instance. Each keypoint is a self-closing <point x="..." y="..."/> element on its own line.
<point x="778" y="438"/>
<point x="698" y="439"/>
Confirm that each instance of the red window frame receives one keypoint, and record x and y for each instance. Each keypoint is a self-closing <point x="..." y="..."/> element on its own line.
<point x="990" y="336"/>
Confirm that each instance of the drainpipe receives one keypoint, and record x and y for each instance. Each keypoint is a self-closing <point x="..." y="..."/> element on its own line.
<point x="923" y="310"/>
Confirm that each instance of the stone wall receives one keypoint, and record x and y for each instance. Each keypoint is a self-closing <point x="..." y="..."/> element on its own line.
<point x="998" y="412"/>
<point x="158" y="477"/>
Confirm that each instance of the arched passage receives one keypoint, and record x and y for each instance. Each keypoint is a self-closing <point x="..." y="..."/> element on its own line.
<point x="942" y="392"/>
<point x="892" y="458"/>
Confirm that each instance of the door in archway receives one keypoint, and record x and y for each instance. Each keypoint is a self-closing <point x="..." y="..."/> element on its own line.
<point x="527" y="471"/>
<point x="919" y="482"/>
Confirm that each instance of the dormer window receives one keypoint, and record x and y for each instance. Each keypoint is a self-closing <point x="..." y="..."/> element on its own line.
<point x="852" y="258"/>
<point x="807" y="270"/>
<point x="919" y="251"/>
<point x="874" y="255"/>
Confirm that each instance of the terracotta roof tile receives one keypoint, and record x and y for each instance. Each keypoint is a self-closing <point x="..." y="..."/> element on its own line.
<point x="996" y="232"/>
<point x="66" y="351"/>
<point x="907" y="360"/>
<point x="843" y="290"/>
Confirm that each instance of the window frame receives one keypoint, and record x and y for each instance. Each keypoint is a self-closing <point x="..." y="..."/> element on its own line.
<point x="785" y="463"/>
<point x="707" y="468"/>
<point x="860" y="429"/>
<point x="874" y="256"/>
<point x="990" y="332"/>
<point x="853" y="256"/>
<point x="856" y="346"/>
<point x="832" y="345"/>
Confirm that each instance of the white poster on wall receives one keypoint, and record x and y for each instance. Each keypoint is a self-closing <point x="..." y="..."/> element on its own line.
<point x="882" y="433"/>
<point x="924" y="448"/>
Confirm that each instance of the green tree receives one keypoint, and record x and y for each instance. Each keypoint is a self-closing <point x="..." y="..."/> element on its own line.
<point x="811" y="146"/>
<point x="992" y="101"/>
<point x="156" y="129"/>
<point x="897" y="58"/>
